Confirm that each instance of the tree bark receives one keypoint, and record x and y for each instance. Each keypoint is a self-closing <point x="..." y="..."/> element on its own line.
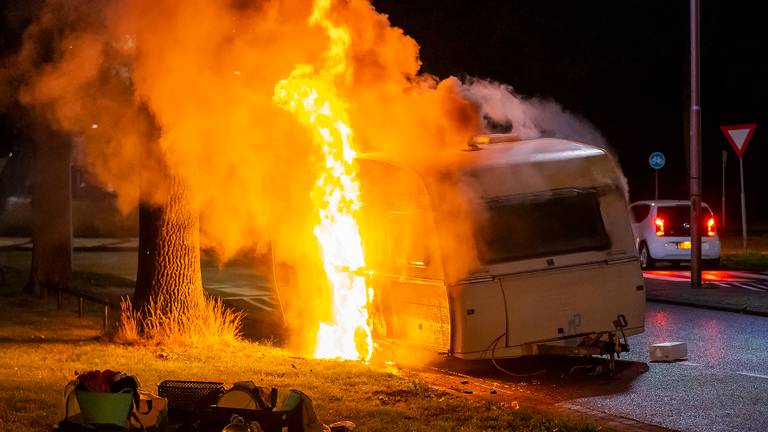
<point x="168" y="272"/>
<point x="51" y="190"/>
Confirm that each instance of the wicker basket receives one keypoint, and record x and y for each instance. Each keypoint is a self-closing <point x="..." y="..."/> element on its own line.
<point x="189" y="395"/>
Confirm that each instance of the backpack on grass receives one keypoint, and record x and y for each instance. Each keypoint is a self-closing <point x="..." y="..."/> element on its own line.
<point x="258" y="407"/>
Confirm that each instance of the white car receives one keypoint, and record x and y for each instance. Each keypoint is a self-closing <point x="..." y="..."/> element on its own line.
<point x="663" y="232"/>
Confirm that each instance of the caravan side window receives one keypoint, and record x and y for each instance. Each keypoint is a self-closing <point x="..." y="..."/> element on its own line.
<point x="553" y="223"/>
<point x="407" y="238"/>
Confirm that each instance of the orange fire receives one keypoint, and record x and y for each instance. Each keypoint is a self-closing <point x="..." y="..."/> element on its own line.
<point x="203" y="99"/>
<point x="310" y="95"/>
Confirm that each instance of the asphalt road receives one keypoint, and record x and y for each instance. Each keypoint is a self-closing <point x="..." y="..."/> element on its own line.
<point x="242" y="287"/>
<point x="723" y="386"/>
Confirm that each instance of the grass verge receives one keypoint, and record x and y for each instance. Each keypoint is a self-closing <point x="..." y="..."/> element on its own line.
<point x="42" y="347"/>
<point x="733" y="255"/>
<point x="752" y="260"/>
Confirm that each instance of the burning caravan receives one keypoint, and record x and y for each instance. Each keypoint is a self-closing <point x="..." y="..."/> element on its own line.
<point x="550" y="265"/>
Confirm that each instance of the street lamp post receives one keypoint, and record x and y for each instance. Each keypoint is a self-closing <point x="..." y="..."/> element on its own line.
<point x="695" y="147"/>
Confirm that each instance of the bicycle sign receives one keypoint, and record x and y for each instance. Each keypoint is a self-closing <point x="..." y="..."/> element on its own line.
<point x="657" y="160"/>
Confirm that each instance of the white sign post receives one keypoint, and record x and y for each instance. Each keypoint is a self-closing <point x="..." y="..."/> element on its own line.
<point x="722" y="203"/>
<point x="739" y="136"/>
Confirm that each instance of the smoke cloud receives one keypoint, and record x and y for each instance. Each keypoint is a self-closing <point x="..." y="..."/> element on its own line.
<point x="505" y="111"/>
<point x="156" y="86"/>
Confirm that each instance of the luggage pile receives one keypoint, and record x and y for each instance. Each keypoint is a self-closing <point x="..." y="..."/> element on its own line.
<point x="201" y="406"/>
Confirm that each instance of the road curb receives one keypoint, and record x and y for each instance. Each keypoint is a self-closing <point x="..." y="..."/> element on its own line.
<point x="476" y="388"/>
<point x="27" y="247"/>
<point x="613" y="421"/>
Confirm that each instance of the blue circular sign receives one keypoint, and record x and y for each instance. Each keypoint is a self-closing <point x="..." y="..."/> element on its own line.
<point x="657" y="160"/>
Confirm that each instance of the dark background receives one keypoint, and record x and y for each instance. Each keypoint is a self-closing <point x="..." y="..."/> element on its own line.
<point x="624" y="65"/>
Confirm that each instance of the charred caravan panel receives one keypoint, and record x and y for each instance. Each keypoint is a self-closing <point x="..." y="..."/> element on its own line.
<point x="412" y="312"/>
<point x="409" y="304"/>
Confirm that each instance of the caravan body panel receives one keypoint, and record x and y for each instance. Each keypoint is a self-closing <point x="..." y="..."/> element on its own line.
<point x="552" y="259"/>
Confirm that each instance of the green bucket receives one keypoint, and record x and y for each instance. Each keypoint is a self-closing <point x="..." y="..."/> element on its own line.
<point x="105" y="408"/>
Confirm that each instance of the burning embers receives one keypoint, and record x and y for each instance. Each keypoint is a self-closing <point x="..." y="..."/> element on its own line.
<point x="310" y="95"/>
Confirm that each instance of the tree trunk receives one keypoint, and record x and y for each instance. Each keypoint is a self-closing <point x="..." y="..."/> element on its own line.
<point x="51" y="190"/>
<point x="168" y="272"/>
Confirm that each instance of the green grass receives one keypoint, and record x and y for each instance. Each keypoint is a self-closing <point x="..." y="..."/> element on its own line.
<point x="751" y="260"/>
<point x="733" y="256"/>
<point x="41" y="348"/>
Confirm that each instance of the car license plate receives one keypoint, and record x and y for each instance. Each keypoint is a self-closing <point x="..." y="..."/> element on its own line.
<point x="684" y="245"/>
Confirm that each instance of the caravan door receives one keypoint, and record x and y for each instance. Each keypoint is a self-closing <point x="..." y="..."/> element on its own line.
<point x="410" y="301"/>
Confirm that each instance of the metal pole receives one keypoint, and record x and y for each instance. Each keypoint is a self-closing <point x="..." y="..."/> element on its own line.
<point x="722" y="204"/>
<point x="695" y="146"/>
<point x="743" y="208"/>
<point x="656" y="184"/>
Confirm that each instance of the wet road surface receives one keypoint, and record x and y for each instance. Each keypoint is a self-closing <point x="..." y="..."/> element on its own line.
<point x="722" y="386"/>
<point x="748" y="280"/>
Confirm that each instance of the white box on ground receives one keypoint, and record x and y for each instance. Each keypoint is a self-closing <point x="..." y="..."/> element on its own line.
<point x="668" y="351"/>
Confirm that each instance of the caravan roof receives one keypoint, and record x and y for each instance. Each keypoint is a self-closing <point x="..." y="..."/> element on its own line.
<point x="497" y="151"/>
<point x="502" y="167"/>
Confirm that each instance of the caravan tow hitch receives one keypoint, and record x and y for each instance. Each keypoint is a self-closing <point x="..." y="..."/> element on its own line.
<point x="610" y="343"/>
<point x="620" y="344"/>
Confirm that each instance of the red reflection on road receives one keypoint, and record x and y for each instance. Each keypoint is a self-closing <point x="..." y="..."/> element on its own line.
<point x="711" y="349"/>
<point x="706" y="275"/>
<point x="668" y="273"/>
<point x="712" y="327"/>
<point x="662" y="326"/>
<point x="715" y="275"/>
<point x="660" y="319"/>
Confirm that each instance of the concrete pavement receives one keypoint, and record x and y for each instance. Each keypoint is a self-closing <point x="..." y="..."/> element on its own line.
<point x="78" y="243"/>
<point x="239" y="284"/>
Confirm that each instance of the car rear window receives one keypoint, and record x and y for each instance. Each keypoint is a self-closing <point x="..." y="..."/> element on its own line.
<point x="542" y="225"/>
<point x="677" y="219"/>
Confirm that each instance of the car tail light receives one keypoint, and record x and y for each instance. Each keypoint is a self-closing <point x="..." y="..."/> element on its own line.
<point x="659" y="227"/>
<point x="711" y="227"/>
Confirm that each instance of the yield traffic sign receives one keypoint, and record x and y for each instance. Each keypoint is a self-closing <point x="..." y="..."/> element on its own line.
<point x="739" y="136"/>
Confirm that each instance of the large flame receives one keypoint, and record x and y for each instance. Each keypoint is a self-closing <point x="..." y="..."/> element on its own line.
<point x="173" y="93"/>
<point x="310" y="95"/>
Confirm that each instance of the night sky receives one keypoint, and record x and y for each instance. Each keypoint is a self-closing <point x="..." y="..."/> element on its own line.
<point x="623" y="65"/>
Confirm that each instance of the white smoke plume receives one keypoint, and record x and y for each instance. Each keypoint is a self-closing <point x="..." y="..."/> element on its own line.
<point x="504" y="111"/>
